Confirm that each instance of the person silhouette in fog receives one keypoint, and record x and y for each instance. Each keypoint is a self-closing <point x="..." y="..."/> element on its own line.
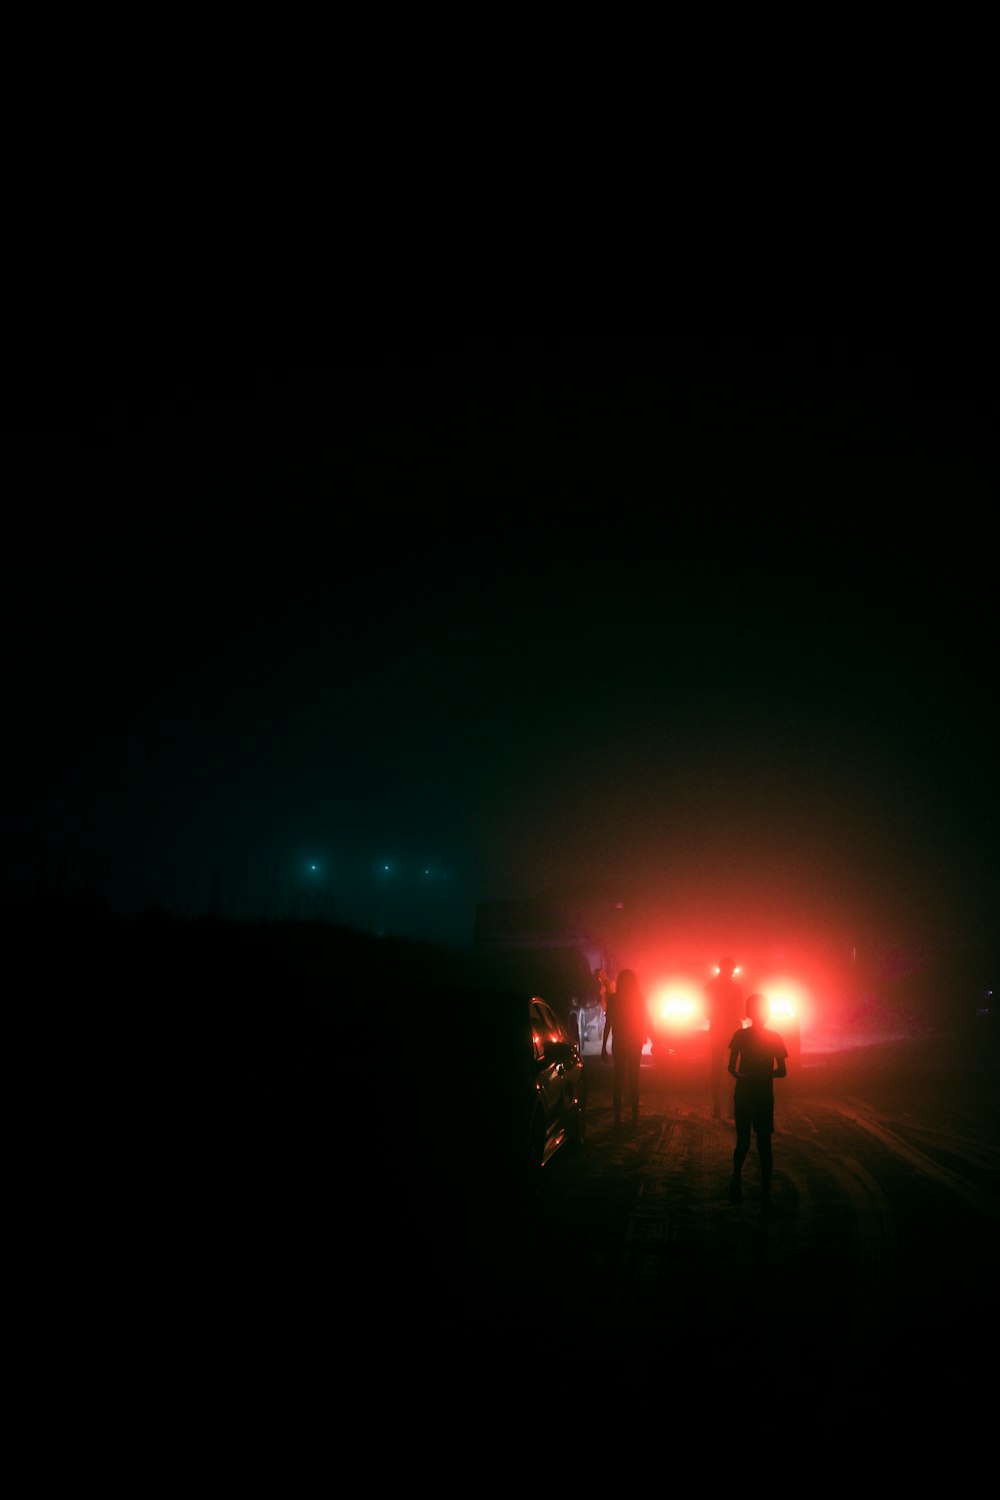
<point x="724" y="1005"/>
<point x="756" y="1059"/>
<point x="627" y="1024"/>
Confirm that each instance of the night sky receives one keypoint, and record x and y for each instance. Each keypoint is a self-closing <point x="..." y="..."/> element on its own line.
<point x="386" y="639"/>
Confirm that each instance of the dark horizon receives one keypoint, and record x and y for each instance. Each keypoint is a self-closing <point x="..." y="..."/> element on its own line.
<point x="389" y="647"/>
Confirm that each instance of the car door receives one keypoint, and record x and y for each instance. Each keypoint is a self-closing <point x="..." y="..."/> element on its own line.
<point x="553" y="1058"/>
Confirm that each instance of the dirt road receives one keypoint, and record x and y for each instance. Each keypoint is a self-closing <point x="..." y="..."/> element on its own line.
<point x="883" y="1244"/>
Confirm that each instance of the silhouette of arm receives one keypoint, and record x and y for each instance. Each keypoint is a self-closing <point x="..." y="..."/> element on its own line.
<point x="780" y="1053"/>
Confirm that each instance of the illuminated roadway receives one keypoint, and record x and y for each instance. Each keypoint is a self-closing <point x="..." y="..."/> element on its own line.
<point x="884" y="1247"/>
<point x="874" y="1288"/>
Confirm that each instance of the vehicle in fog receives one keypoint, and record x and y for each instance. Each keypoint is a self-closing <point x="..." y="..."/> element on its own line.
<point x="679" y="1026"/>
<point x="785" y="1017"/>
<point x="678" y="1021"/>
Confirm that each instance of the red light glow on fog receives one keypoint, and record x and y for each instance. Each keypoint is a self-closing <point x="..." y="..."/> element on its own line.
<point x="679" y="1003"/>
<point x="790" y="1003"/>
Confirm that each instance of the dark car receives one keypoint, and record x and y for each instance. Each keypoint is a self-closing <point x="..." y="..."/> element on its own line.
<point x="558" y="1114"/>
<point x="679" y="1021"/>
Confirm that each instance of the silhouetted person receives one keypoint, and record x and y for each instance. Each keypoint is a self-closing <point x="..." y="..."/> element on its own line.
<point x="627" y="1023"/>
<point x="724" y="1006"/>
<point x="756" y="1059"/>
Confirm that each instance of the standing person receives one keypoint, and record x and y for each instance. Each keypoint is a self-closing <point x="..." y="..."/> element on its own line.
<point x="756" y="1059"/>
<point x="724" y="1004"/>
<point x="627" y="1023"/>
<point x="595" y="1005"/>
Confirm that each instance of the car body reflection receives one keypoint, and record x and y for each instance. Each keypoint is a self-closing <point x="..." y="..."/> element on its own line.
<point x="559" y="1080"/>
